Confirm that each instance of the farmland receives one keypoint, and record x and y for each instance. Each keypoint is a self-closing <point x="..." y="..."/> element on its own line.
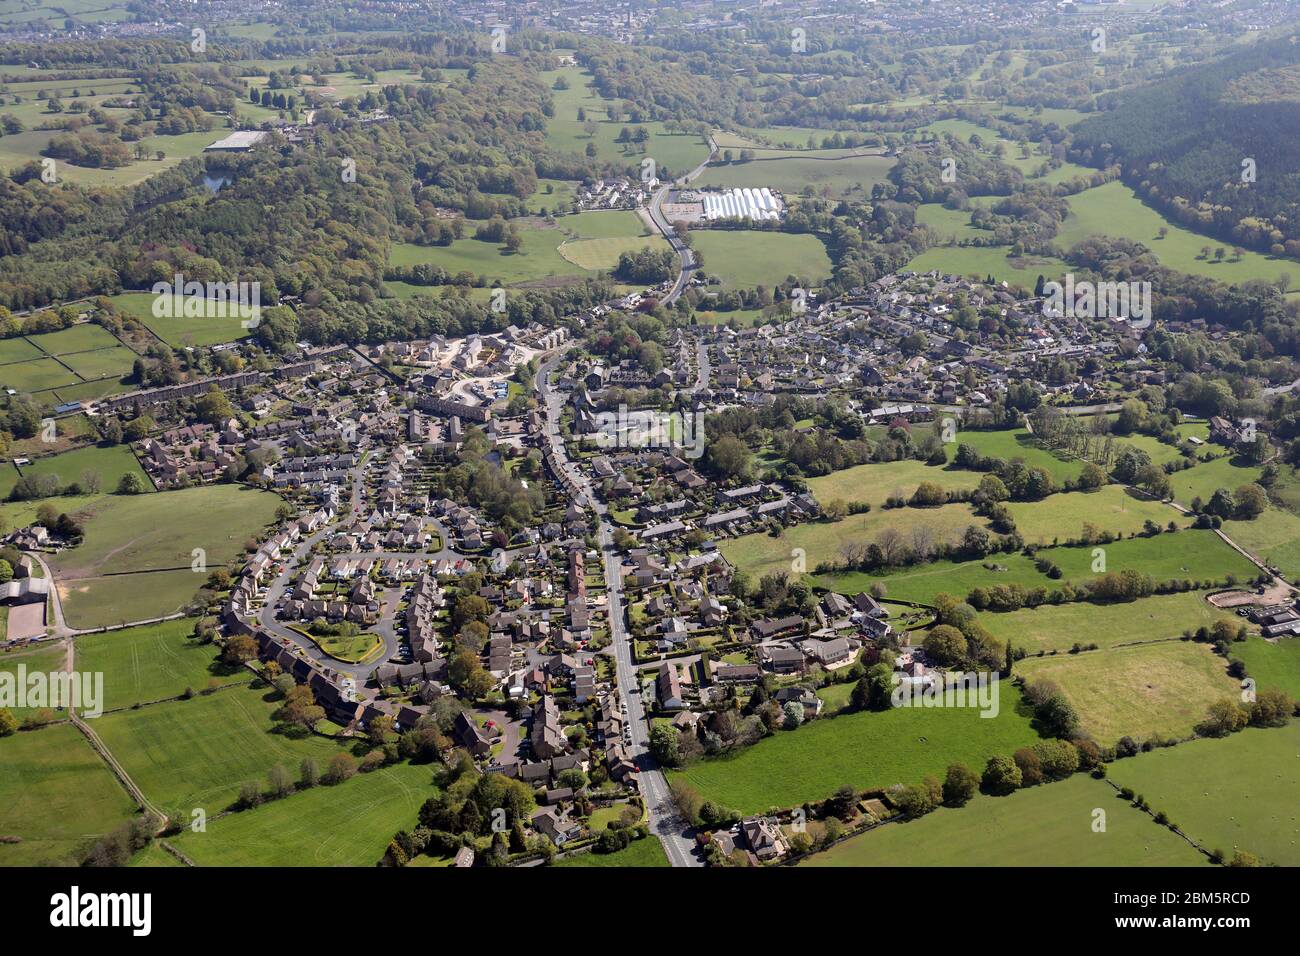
<point x="1110" y="508"/>
<point x="56" y="795"/>
<point x="1137" y="691"/>
<point x="874" y="483"/>
<point x="840" y="172"/>
<point x="900" y="745"/>
<point x="1238" y="792"/>
<point x="744" y="259"/>
<point x="1272" y="665"/>
<point x="348" y="824"/>
<point x="1047" y="825"/>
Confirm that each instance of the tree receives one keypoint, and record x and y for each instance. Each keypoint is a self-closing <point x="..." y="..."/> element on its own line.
<point x="239" y="649"/>
<point x="959" y="785"/>
<point x="663" y="745"/>
<point x="1251" y="501"/>
<point x="946" y="645"/>
<point x="129" y="484"/>
<point x="340" y="768"/>
<point x="1223" y="717"/>
<point x="793" y="711"/>
<point x="8" y="722"/>
<point x="1001" y="776"/>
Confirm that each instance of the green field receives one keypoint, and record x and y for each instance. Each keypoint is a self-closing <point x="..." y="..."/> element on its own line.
<point x="179" y="332"/>
<point x="1115" y="210"/>
<point x="1110" y="508"/>
<point x="1240" y="792"/>
<point x="900" y="745"/>
<point x="109" y="462"/>
<point x="196" y="753"/>
<point x="1203" y="480"/>
<point x="83" y="337"/>
<point x="1274" y="536"/>
<point x="345" y="825"/>
<point x="57" y="795"/>
<point x="1059" y="627"/>
<point x="36" y="375"/>
<point x="744" y="259"/>
<point x="1018" y="443"/>
<point x="984" y="261"/>
<point x="1137" y="691"/>
<point x="156" y="534"/>
<point x="821" y="541"/>
<point x="874" y="483"/>
<point x="1273" y="665"/>
<point x="47" y="658"/>
<point x="646" y="852"/>
<point x="152" y="662"/>
<point x="1047" y="825"/>
<point x="1194" y="554"/>
<point x="838" y="171"/>
<point x="922" y="582"/>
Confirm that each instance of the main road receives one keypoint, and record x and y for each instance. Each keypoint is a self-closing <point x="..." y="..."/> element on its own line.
<point x="665" y="822"/>
<point x="684" y="254"/>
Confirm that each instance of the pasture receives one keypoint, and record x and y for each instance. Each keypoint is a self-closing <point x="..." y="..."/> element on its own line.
<point x="745" y="259"/>
<point x="153" y="662"/>
<point x="1203" y="480"/>
<point x="1047" y="825"/>
<point x="1238" y="792"/>
<point x="836" y="172"/>
<point x="1137" y="691"/>
<point x="1110" y="508"/>
<point x="195" y="753"/>
<point x="1058" y="627"/>
<point x="900" y="745"/>
<point x="349" y="824"/>
<point x="1273" y="665"/>
<point x="874" y="483"/>
<point x="1018" y="443"/>
<point x="56" y="796"/>
<point x="180" y="331"/>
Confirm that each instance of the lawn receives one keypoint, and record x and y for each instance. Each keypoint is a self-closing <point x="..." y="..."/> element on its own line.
<point x="821" y="541"/>
<point x="349" y="824"/>
<point x="1110" y="508"/>
<point x="1047" y="825"/>
<point x="1274" y="666"/>
<point x="1137" y="691"/>
<point x="152" y="662"/>
<point x="1240" y="792"/>
<point x="874" y="483"/>
<point x="157" y="534"/>
<point x="1060" y="626"/>
<point x="646" y="852"/>
<point x="57" y="795"/>
<point x="744" y="259"/>
<point x="196" y="753"/>
<point x="901" y="745"/>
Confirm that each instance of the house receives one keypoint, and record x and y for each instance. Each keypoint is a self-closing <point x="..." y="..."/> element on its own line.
<point x="768" y="628"/>
<point x="558" y="828"/>
<point x="763" y="839"/>
<point x="469" y="735"/>
<point x="669" y="688"/>
<point x="464" y="857"/>
<point x="781" y="659"/>
<point x="829" y="653"/>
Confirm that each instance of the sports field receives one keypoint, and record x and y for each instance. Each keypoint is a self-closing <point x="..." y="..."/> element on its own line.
<point x="56" y="795"/>
<point x="900" y="745"/>
<point x="1239" y="792"/>
<point x="349" y="824"/>
<point x="1047" y="825"/>
<point x="1137" y="691"/>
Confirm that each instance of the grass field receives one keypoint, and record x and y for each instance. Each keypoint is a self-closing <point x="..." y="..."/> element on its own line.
<point x="761" y="554"/>
<point x="155" y="534"/>
<point x="839" y="171"/>
<point x="109" y="462"/>
<point x="1115" y="210"/>
<point x="1201" y="481"/>
<point x="1274" y="536"/>
<point x="1047" y="825"/>
<point x="1274" y="666"/>
<point x="922" y="582"/>
<point x="1137" y="691"/>
<point x="875" y="483"/>
<point x="743" y="259"/>
<point x="44" y="659"/>
<point x="345" y="825"/>
<point x="1239" y="792"/>
<point x="196" y="753"/>
<point x="901" y="745"/>
<point x="1111" y="508"/>
<point x="181" y="331"/>
<point x="646" y="852"/>
<point x="984" y="261"/>
<point x="1059" y="627"/>
<point x="56" y="795"/>
<point x="1196" y="554"/>
<point x="1018" y="443"/>
<point x="152" y="662"/>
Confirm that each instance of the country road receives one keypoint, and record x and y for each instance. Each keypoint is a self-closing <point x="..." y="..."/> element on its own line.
<point x="685" y="257"/>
